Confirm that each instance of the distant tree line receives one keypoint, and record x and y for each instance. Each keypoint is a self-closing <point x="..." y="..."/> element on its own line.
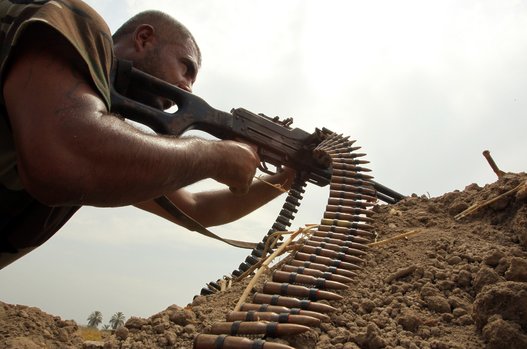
<point x="116" y="321"/>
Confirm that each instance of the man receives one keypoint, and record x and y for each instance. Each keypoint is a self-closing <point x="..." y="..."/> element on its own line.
<point x="60" y="146"/>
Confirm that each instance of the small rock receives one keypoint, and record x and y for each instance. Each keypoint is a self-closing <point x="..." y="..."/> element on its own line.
<point x="112" y="343"/>
<point x="435" y="331"/>
<point x="504" y="334"/>
<point x="162" y="341"/>
<point x="135" y="323"/>
<point x="409" y="321"/>
<point x="486" y="276"/>
<point x="171" y="338"/>
<point x="368" y="306"/>
<point x="199" y="300"/>
<point x="465" y="320"/>
<point x="493" y="259"/>
<point x="372" y="339"/>
<point x="190" y="329"/>
<point x="429" y="290"/>
<point x="183" y="317"/>
<point x="341" y="335"/>
<point x="63" y="335"/>
<point x="500" y="204"/>
<point x="122" y="333"/>
<point x="441" y="275"/>
<point x="464" y="278"/>
<point x="23" y="314"/>
<point x="517" y="270"/>
<point x="92" y="345"/>
<point x="507" y="299"/>
<point x="400" y="273"/>
<point x="447" y="317"/>
<point x="438" y="304"/>
<point x="458" y="312"/>
<point x="340" y="320"/>
<point x="394" y="212"/>
<point x="350" y="345"/>
<point x="159" y="328"/>
<point x="445" y="285"/>
<point x="457" y="207"/>
<point x="424" y="332"/>
<point x="454" y="260"/>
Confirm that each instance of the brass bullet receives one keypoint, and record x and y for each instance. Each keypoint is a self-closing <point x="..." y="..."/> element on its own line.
<point x="210" y="341"/>
<point x="268" y="329"/>
<point x="293" y="277"/>
<point x="367" y="190"/>
<point x="339" y="242"/>
<point x="325" y="260"/>
<point x="323" y="268"/>
<point x="349" y="217"/>
<point x="355" y="210"/>
<point x="281" y="309"/>
<point x="343" y="234"/>
<point x="319" y="251"/>
<point x="273" y="317"/>
<point x="342" y="194"/>
<point x="317" y="273"/>
<point x="291" y="302"/>
<point x="336" y="248"/>
<point x="287" y="289"/>
<point x="350" y="168"/>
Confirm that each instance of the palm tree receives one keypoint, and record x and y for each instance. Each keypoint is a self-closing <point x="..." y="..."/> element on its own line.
<point x="95" y="319"/>
<point x="117" y="320"/>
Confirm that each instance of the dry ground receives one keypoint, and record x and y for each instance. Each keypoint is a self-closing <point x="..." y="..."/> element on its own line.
<point x="453" y="284"/>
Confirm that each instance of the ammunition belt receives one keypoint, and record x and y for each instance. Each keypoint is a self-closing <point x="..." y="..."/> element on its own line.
<point x="289" y="303"/>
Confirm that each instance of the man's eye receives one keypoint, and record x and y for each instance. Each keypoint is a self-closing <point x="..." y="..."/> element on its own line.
<point x="190" y="69"/>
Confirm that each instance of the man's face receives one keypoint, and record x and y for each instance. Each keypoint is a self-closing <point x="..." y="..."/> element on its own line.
<point x="176" y="64"/>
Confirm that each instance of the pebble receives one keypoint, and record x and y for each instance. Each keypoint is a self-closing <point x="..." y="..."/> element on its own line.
<point x="454" y="260"/>
<point x="517" y="270"/>
<point x="493" y="259"/>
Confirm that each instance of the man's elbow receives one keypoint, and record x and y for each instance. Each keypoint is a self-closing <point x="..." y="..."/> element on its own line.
<point x="53" y="187"/>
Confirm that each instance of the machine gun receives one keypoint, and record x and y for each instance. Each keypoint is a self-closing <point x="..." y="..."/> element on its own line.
<point x="278" y="144"/>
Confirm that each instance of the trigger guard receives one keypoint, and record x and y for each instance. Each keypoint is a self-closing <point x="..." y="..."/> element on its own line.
<point x="263" y="167"/>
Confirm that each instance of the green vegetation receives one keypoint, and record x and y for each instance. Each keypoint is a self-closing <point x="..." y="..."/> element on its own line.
<point x="95" y="319"/>
<point x="117" y="320"/>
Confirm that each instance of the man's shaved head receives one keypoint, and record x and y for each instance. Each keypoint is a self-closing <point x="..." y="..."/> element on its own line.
<point x="168" y="29"/>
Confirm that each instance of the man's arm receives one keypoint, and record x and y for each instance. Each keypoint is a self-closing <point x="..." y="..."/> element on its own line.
<point x="212" y="208"/>
<point x="71" y="151"/>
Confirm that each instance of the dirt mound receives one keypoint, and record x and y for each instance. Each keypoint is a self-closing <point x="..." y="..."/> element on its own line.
<point x="23" y="327"/>
<point x="454" y="283"/>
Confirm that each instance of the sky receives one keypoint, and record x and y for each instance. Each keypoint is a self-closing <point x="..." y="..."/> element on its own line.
<point x="423" y="86"/>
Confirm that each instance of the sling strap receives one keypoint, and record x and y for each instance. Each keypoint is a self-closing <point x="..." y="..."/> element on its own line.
<point x="192" y="225"/>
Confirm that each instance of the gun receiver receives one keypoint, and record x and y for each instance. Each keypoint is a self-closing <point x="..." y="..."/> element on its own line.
<point x="278" y="144"/>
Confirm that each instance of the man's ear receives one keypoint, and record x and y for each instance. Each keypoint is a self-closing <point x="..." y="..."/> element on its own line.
<point x="144" y="34"/>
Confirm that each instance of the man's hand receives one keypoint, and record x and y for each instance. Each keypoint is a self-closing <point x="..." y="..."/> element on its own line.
<point x="238" y="165"/>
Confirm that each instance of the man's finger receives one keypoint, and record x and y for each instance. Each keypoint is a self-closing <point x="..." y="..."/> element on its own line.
<point x="251" y="145"/>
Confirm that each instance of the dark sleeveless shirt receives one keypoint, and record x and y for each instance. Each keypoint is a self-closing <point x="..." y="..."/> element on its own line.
<point x="26" y="223"/>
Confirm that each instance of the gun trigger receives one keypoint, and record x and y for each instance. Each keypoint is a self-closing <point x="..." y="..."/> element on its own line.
<point x="263" y="167"/>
